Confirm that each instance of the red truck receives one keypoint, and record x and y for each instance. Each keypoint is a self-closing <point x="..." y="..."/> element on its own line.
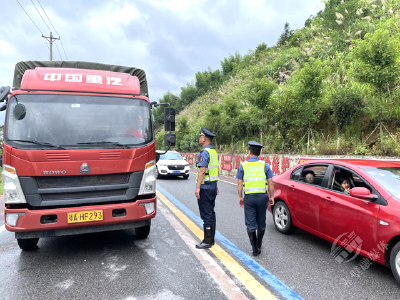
<point x="78" y="150"/>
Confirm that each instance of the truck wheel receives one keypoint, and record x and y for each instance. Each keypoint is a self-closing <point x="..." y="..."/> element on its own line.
<point x="28" y="244"/>
<point x="142" y="232"/>
<point x="395" y="262"/>
<point x="282" y="218"/>
<point x="186" y="176"/>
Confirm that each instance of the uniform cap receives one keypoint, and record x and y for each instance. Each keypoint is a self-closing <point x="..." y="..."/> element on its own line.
<point x="208" y="133"/>
<point x="255" y="144"/>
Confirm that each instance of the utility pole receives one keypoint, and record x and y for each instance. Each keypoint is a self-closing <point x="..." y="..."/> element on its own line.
<point x="50" y="39"/>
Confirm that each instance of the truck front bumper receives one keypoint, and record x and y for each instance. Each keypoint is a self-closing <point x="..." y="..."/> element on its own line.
<point x="31" y="224"/>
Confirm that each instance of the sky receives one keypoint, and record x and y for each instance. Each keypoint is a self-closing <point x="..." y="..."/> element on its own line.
<point x="170" y="40"/>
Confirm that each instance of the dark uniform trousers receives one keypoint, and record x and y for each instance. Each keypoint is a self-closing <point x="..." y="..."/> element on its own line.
<point x="207" y="205"/>
<point x="255" y="210"/>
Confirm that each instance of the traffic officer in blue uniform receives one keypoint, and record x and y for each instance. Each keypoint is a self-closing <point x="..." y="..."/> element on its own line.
<point x="206" y="186"/>
<point x="253" y="176"/>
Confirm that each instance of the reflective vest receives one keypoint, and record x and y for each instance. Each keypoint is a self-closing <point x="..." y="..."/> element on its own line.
<point x="254" y="179"/>
<point x="212" y="168"/>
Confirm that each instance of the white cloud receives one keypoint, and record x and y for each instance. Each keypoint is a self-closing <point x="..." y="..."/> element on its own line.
<point x="171" y="40"/>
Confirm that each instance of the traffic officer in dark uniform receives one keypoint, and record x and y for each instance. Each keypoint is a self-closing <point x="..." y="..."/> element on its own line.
<point x="206" y="186"/>
<point x="253" y="176"/>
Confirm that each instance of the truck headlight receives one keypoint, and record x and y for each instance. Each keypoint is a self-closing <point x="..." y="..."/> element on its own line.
<point x="11" y="186"/>
<point x="148" y="184"/>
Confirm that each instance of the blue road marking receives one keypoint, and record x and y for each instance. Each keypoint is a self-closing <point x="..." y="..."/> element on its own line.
<point x="270" y="279"/>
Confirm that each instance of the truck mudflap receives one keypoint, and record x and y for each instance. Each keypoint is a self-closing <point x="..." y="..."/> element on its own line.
<point x="62" y="221"/>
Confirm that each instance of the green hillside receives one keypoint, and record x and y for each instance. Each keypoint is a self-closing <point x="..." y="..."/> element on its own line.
<point x="332" y="87"/>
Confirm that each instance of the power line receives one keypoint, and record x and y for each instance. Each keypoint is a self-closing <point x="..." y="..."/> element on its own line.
<point x="54" y="29"/>
<point x="46" y="26"/>
<point x="32" y="22"/>
<point x="40" y="15"/>
<point x="58" y="50"/>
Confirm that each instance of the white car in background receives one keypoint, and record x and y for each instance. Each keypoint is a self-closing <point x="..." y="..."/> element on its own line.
<point x="171" y="164"/>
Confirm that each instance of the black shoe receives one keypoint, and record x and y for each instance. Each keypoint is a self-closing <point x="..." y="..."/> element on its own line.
<point x="260" y="235"/>
<point x="203" y="245"/>
<point x="206" y="243"/>
<point x="253" y="242"/>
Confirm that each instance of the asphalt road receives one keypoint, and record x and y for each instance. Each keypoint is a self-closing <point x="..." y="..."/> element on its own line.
<point x="301" y="261"/>
<point x="114" y="265"/>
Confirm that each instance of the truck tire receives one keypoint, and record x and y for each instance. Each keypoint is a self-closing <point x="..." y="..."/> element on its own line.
<point x="142" y="232"/>
<point x="28" y="244"/>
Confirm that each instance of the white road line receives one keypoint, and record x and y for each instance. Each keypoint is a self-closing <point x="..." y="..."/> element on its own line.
<point x="2" y="228"/>
<point x="226" y="284"/>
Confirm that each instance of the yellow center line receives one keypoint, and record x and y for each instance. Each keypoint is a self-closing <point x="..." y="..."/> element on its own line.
<point x="252" y="285"/>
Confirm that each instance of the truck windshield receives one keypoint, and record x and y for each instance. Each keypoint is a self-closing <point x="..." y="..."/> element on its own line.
<point x="77" y="121"/>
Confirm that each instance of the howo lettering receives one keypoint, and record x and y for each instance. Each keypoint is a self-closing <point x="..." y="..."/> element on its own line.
<point x="78" y="150"/>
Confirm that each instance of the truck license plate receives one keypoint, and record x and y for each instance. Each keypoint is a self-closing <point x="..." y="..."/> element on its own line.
<point x="85" y="216"/>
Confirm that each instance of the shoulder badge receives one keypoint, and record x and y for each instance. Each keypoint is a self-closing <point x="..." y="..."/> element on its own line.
<point x="201" y="159"/>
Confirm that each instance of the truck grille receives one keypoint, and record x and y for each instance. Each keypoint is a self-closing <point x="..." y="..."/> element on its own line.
<point x="176" y="167"/>
<point x="72" y="181"/>
<point x="68" y="191"/>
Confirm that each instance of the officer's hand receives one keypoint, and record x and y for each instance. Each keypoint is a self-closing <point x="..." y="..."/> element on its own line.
<point x="241" y="202"/>
<point x="197" y="193"/>
<point x="271" y="201"/>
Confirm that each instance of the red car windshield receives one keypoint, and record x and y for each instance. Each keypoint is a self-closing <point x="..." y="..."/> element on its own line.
<point x="388" y="178"/>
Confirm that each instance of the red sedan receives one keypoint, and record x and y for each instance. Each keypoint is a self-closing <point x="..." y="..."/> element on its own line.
<point x="355" y="204"/>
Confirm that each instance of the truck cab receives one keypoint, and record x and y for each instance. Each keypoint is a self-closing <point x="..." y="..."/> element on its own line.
<point x="78" y="151"/>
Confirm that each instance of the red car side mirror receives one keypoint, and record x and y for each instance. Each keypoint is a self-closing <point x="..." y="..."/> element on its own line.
<point x="362" y="193"/>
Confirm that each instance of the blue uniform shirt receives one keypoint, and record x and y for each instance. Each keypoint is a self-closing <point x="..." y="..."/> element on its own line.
<point x="268" y="171"/>
<point x="203" y="161"/>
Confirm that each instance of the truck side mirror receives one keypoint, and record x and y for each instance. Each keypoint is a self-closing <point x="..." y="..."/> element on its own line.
<point x="169" y="119"/>
<point x="169" y="139"/>
<point x="4" y="91"/>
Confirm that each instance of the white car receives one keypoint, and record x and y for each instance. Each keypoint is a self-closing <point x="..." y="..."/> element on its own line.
<point x="171" y="164"/>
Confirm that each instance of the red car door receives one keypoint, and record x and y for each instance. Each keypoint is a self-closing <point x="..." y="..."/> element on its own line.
<point x="305" y="196"/>
<point x="349" y="219"/>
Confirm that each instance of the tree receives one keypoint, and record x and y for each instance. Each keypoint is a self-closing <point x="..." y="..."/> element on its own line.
<point x="377" y="63"/>
<point x="346" y="103"/>
<point x="285" y="36"/>
<point x="260" y="49"/>
<point x="188" y="94"/>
